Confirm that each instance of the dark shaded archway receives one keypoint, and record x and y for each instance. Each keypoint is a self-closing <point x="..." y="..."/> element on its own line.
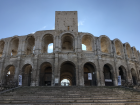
<point x="122" y="73"/>
<point x="89" y="75"/>
<point x="9" y="74"/>
<point x="134" y="77"/>
<point x="108" y="75"/>
<point x="67" y="42"/>
<point x="26" y="75"/>
<point x="45" y="74"/>
<point x="68" y="71"/>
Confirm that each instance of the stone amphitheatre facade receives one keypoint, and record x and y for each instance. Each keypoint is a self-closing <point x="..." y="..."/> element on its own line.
<point x="105" y="59"/>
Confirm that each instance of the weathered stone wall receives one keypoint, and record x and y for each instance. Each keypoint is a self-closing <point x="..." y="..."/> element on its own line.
<point x="77" y="56"/>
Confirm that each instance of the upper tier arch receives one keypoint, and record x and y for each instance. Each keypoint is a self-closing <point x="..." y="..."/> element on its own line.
<point x="118" y="47"/>
<point x="105" y="44"/>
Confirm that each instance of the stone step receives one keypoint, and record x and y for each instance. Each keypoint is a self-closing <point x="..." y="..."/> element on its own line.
<point x="67" y="101"/>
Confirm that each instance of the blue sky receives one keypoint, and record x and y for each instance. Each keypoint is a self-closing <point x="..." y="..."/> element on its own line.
<point x="114" y="18"/>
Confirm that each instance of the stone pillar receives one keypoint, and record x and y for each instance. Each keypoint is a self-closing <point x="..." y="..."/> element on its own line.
<point x="17" y="68"/>
<point x="1" y="69"/>
<point x="56" y="70"/>
<point x="97" y="78"/>
<point x="101" y="81"/>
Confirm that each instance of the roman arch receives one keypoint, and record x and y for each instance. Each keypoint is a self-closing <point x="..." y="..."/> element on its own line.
<point x="29" y="45"/>
<point x="9" y="74"/>
<point x="105" y="44"/>
<point x="68" y="71"/>
<point x="108" y="75"/>
<point x="45" y="75"/>
<point x="14" y="43"/>
<point x="89" y="70"/>
<point x="67" y="42"/>
<point x="26" y="75"/>
<point x="46" y="41"/>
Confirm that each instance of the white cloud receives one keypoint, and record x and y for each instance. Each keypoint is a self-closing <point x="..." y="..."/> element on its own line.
<point x="43" y="28"/>
<point x="80" y="23"/>
<point x="32" y="32"/>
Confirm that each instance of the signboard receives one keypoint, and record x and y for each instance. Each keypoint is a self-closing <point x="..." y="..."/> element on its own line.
<point x="89" y="76"/>
<point x="56" y="80"/>
<point x="20" y="80"/>
<point x="108" y="80"/>
<point x="119" y="80"/>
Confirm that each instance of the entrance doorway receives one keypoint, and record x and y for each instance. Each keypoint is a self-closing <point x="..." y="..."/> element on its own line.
<point x="45" y="74"/>
<point x="89" y="75"/>
<point x="122" y="73"/>
<point x="26" y="75"/>
<point x="107" y="75"/>
<point x="68" y="73"/>
<point x="9" y="74"/>
<point x="134" y="77"/>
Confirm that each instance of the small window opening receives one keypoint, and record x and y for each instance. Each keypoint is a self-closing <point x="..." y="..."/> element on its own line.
<point x="83" y="47"/>
<point x="50" y="48"/>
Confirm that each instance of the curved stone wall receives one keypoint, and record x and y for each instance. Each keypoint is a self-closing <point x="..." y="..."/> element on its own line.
<point x="103" y="58"/>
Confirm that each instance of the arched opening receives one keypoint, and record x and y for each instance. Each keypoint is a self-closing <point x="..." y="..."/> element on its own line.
<point x="2" y="43"/>
<point x="30" y="45"/>
<point x="26" y="75"/>
<point x="128" y="50"/>
<point x="107" y="75"/>
<point x="118" y="47"/>
<point x="65" y="82"/>
<point x="105" y="45"/>
<point x="50" y="48"/>
<point x="122" y="73"/>
<point x="14" y="46"/>
<point x="89" y="75"/>
<point x="84" y="47"/>
<point x="134" y="77"/>
<point x="9" y="74"/>
<point x="47" y="44"/>
<point x="68" y="72"/>
<point x="45" y="74"/>
<point x="67" y="42"/>
<point x="87" y="41"/>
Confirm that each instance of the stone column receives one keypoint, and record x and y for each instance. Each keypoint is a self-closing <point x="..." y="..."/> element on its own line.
<point x="80" y="70"/>
<point x="56" y="70"/>
<point x="101" y="76"/>
<point x="115" y="71"/>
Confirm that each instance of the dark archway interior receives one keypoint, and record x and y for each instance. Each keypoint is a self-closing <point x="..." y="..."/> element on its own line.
<point x="26" y="75"/>
<point x="68" y="72"/>
<point x="122" y="72"/>
<point x="67" y="42"/>
<point x="134" y="78"/>
<point x="89" y="70"/>
<point x="108" y="76"/>
<point x="45" y="74"/>
<point x="9" y="74"/>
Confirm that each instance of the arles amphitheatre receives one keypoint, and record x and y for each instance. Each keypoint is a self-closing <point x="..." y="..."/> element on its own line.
<point x="26" y="62"/>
